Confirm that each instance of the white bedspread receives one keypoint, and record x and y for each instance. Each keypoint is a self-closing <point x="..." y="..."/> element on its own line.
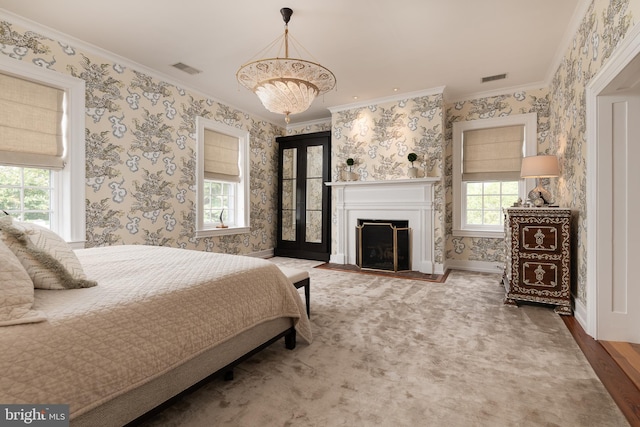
<point x="153" y="308"/>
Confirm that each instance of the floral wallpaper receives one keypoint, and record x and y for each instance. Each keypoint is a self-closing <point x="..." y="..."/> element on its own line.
<point x="603" y="27"/>
<point x="140" y="151"/>
<point x="379" y="138"/>
<point x="521" y="102"/>
<point x="140" y="142"/>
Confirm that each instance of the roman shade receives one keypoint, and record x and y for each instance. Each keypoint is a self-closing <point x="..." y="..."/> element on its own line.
<point x="492" y="154"/>
<point x="220" y="157"/>
<point x="31" y="117"/>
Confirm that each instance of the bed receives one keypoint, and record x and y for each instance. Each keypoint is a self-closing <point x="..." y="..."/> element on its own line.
<point x="159" y="320"/>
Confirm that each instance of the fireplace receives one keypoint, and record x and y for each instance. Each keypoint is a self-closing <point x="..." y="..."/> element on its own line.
<point x="383" y="244"/>
<point x="409" y="199"/>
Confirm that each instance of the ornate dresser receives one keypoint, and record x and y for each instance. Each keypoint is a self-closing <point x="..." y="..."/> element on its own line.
<point x="538" y="266"/>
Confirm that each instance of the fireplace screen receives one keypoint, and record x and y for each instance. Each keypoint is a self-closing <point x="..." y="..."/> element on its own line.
<point x="383" y="245"/>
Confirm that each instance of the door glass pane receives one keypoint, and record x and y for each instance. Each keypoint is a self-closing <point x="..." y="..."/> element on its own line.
<point x="289" y="225"/>
<point x="314" y="161"/>
<point x="289" y="167"/>
<point x="289" y="172"/>
<point x="314" y="227"/>
<point x="288" y="194"/>
<point x="313" y="217"/>
<point x="314" y="194"/>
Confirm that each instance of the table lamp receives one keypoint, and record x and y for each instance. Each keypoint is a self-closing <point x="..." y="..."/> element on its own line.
<point x="540" y="167"/>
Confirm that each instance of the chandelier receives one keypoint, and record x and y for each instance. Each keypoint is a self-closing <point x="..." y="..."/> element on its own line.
<point x="286" y="85"/>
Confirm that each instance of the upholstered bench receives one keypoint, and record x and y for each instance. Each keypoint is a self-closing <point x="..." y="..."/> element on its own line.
<point x="299" y="278"/>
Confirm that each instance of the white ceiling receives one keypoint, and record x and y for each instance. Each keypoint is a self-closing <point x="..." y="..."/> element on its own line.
<point x="372" y="46"/>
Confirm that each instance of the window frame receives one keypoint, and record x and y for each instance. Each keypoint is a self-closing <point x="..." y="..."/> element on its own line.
<point x="22" y="188"/>
<point x="464" y="212"/>
<point x="234" y="191"/>
<point x="68" y="197"/>
<point x="243" y="207"/>
<point x="460" y="227"/>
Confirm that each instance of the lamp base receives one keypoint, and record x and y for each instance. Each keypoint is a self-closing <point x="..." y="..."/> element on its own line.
<point x="540" y="193"/>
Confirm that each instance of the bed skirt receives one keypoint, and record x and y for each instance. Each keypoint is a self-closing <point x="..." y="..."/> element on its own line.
<point x="135" y="403"/>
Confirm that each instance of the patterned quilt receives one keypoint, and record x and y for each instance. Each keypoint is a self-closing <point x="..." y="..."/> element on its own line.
<point x="153" y="308"/>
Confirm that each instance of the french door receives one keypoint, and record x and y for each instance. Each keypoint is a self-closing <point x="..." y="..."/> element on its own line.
<point x="303" y="199"/>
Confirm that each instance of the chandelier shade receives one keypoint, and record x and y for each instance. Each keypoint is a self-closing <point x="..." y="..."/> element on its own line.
<point x="286" y="85"/>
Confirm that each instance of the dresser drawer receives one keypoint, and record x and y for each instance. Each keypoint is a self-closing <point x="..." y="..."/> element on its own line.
<point x="544" y="278"/>
<point x="540" y="238"/>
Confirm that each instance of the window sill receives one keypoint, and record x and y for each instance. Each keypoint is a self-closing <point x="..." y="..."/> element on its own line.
<point x="479" y="233"/>
<point x="209" y="232"/>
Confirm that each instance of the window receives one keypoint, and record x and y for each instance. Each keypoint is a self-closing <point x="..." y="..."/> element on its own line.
<point x="486" y="174"/>
<point x="41" y="167"/>
<point x="485" y="199"/>
<point x="219" y="199"/>
<point x="25" y="194"/>
<point x="222" y="179"/>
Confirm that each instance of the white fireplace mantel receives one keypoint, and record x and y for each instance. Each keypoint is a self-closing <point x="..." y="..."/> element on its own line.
<point x="402" y="199"/>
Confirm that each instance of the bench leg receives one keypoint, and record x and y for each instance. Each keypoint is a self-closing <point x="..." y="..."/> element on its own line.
<point x="307" y="295"/>
<point x="306" y="284"/>
<point x="290" y="340"/>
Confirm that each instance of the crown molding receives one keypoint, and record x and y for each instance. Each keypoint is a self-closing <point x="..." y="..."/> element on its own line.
<point x="326" y="120"/>
<point x="498" y="92"/>
<point x="398" y="97"/>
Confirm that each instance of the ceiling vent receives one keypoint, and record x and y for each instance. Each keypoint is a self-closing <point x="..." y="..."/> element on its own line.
<point x="186" y="68"/>
<point x="492" y="78"/>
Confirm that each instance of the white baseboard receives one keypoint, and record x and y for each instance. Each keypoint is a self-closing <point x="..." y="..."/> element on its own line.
<point x="478" y="266"/>
<point x="337" y="259"/>
<point x="580" y="313"/>
<point x="77" y="245"/>
<point x="268" y="253"/>
<point x="439" y="268"/>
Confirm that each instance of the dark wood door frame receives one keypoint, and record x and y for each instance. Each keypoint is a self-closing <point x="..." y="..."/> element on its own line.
<point x="300" y="248"/>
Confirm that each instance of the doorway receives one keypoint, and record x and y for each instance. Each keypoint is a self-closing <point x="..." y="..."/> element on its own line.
<point x="613" y="290"/>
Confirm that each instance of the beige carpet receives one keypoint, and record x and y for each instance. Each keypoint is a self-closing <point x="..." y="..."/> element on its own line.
<point x="413" y="275"/>
<point x="397" y="352"/>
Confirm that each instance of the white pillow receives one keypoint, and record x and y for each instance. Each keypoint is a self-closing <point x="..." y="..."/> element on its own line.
<point x="16" y="291"/>
<point x="47" y="258"/>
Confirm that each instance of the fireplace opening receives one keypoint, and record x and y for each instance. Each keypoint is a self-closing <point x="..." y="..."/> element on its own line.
<point x="383" y="245"/>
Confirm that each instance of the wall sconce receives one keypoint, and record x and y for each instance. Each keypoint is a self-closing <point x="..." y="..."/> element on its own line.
<point x="540" y="167"/>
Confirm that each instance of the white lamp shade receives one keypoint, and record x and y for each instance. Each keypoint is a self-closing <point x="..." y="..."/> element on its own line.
<point x="540" y="167"/>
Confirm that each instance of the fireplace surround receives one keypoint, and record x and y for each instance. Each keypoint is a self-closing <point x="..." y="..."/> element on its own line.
<point x="410" y="199"/>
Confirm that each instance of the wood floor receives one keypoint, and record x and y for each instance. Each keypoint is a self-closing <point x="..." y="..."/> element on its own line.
<point x="627" y="356"/>
<point x="617" y="365"/>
